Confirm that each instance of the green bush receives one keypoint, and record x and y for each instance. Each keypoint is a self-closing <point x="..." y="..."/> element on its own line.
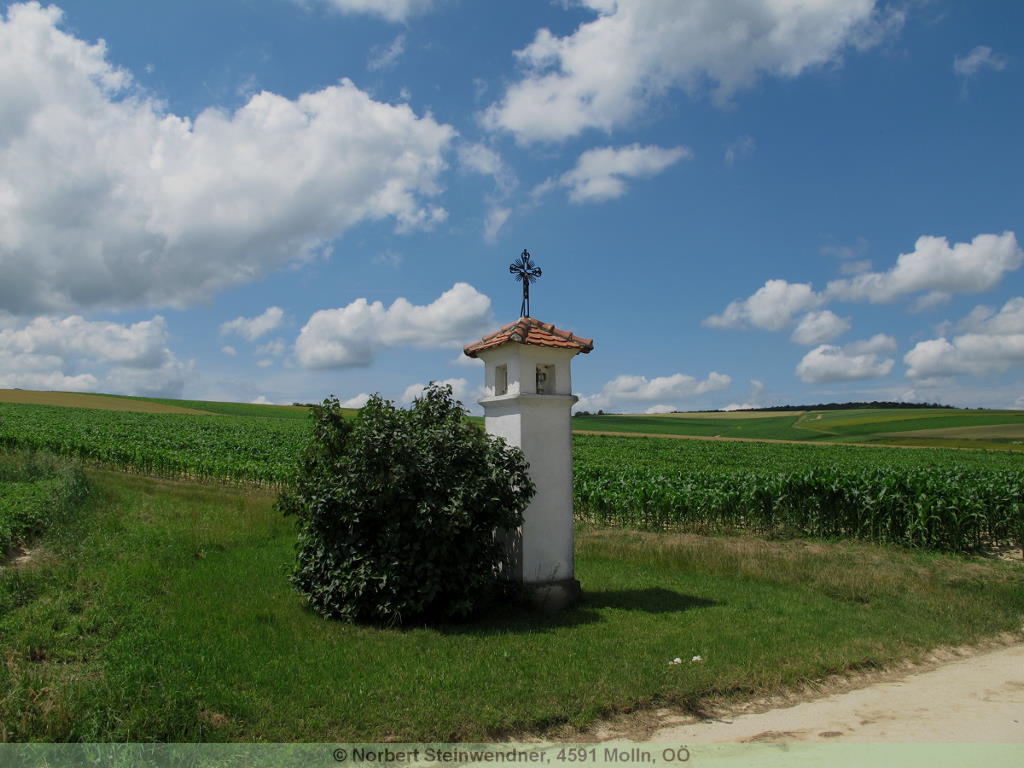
<point x="397" y="511"/>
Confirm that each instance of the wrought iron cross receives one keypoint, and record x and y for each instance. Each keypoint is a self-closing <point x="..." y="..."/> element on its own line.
<point x="525" y="272"/>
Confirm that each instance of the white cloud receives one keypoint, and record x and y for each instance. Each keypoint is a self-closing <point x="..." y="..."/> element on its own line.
<point x="264" y="363"/>
<point x="496" y="218"/>
<point x="356" y="402"/>
<point x="855" y="267"/>
<point x="742" y="147"/>
<point x="479" y="158"/>
<point x="626" y="390"/>
<point x="611" y="68"/>
<point x="385" y="57"/>
<point x="655" y="409"/>
<point x="818" y="327"/>
<point x="467" y="361"/>
<point x="994" y="343"/>
<point x="600" y="173"/>
<point x="261" y="400"/>
<point x="936" y="268"/>
<point x="755" y="389"/>
<point x="80" y="355"/>
<point x="251" y="328"/>
<point x="858" y="360"/>
<point x="391" y="10"/>
<point x="981" y="57"/>
<point x="273" y="348"/>
<point x="461" y="391"/>
<point x="880" y="343"/>
<point x="350" y="336"/>
<point x="109" y="201"/>
<point x="230" y="351"/>
<point x="772" y="307"/>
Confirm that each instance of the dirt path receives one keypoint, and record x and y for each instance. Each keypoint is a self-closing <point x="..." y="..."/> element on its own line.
<point x="974" y="699"/>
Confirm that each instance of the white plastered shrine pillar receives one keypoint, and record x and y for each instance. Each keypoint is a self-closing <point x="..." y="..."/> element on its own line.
<point x="529" y="403"/>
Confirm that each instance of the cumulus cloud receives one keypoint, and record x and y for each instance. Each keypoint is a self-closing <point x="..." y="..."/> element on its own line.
<point x="600" y="174"/>
<point x="356" y="402"/>
<point x="461" y="391"/>
<point x="390" y="10"/>
<point x="228" y="350"/>
<point x="880" y="343"/>
<point x="993" y="344"/>
<point x="741" y="407"/>
<point x="251" y="328"/>
<point x="107" y="200"/>
<point x="858" y="360"/>
<point x="936" y="269"/>
<point x="611" y="68"/>
<point x="80" y="355"/>
<point x="656" y="409"/>
<point x="981" y="57"/>
<point x="350" y="336"/>
<point x="626" y="389"/>
<point x="818" y="327"/>
<point x="772" y="307"/>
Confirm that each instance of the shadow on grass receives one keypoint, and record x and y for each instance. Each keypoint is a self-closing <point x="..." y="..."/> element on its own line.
<point x="518" y="618"/>
<point x="651" y="600"/>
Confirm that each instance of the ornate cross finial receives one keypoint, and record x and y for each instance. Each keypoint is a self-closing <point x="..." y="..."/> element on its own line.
<point x="526" y="272"/>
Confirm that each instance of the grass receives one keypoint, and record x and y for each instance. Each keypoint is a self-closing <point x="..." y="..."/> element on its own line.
<point x="167" y="616"/>
<point x="36" y="491"/>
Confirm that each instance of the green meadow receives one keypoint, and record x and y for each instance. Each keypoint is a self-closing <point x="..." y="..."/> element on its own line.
<point x="158" y="609"/>
<point x="162" y="612"/>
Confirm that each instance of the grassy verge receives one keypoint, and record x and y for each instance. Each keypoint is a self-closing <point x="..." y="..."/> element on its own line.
<point x="167" y="616"/>
<point x="36" y="490"/>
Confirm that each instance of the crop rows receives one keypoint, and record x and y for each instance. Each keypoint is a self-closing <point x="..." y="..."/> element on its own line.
<point x="251" y="450"/>
<point x="939" y="499"/>
<point x="946" y="500"/>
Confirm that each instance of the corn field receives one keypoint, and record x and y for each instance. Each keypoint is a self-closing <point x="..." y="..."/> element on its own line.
<point x="940" y="499"/>
<point x="953" y="501"/>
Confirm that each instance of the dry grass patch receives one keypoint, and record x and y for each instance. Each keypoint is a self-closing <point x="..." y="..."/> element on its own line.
<point x="82" y="400"/>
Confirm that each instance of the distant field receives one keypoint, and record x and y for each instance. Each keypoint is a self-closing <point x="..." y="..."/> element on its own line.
<point x="100" y="402"/>
<point x="913" y="427"/>
<point x="236" y="409"/>
<point x="739" y="415"/>
<point x="941" y="427"/>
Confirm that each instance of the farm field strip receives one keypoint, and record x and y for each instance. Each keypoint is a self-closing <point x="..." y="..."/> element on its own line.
<point x="952" y="500"/>
<point x="247" y="449"/>
<point x="99" y="402"/>
<point x="935" y="499"/>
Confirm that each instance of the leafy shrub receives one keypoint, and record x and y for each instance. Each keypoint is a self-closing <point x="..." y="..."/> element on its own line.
<point x="397" y="511"/>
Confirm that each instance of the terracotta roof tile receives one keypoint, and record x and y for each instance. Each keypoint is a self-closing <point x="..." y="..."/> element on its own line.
<point x="530" y="330"/>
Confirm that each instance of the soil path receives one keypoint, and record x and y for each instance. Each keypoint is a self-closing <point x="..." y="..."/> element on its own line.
<point x="975" y="699"/>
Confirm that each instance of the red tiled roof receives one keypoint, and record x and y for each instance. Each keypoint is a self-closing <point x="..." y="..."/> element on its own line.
<point x="530" y="330"/>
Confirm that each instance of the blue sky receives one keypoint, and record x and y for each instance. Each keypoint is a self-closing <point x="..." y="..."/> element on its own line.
<point x="743" y="202"/>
